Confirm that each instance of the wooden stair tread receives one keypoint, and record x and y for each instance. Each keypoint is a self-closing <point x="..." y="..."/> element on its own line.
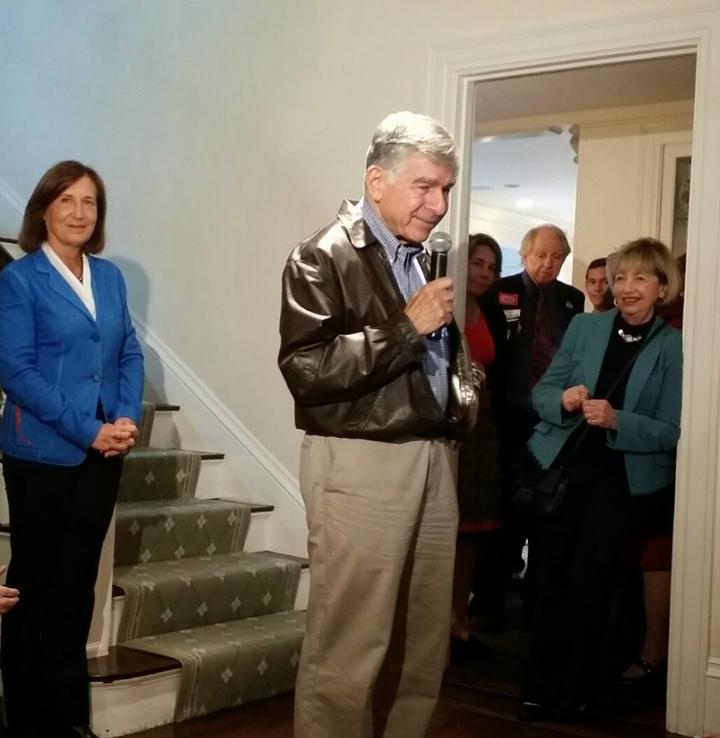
<point x="256" y="507"/>
<point x="127" y="663"/>
<point x="165" y="407"/>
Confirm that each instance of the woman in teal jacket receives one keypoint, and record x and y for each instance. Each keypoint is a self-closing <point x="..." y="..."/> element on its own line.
<point x="627" y="458"/>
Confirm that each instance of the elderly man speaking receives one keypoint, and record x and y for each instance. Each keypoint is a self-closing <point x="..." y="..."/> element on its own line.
<point x="378" y="394"/>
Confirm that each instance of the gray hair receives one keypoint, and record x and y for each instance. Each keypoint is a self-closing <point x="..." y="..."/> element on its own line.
<point x="400" y="135"/>
<point x="529" y="237"/>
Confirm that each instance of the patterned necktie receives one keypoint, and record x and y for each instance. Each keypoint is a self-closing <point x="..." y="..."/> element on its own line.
<point x="542" y="345"/>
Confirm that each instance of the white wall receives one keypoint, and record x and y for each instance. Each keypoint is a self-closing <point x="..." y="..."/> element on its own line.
<point x="619" y="182"/>
<point x="226" y="132"/>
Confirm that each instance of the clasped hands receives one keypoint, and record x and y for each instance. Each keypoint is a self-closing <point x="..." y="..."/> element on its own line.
<point x="596" y="412"/>
<point x="116" y="438"/>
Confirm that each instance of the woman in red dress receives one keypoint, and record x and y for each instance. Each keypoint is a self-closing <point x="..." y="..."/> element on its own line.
<point x="479" y="497"/>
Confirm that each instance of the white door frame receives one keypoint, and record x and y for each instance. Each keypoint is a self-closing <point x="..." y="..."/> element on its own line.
<point x="455" y="67"/>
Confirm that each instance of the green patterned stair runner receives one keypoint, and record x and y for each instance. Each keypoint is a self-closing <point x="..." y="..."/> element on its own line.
<point x="192" y="594"/>
<point x="159" y="474"/>
<point x="162" y="530"/>
<point x="165" y="596"/>
<point x="231" y="663"/>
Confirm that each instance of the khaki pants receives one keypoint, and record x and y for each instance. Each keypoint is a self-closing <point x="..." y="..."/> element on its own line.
<point x="382" y="521"/>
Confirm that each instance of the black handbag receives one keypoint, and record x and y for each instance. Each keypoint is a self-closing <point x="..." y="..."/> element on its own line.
<point x="545" y="496"/>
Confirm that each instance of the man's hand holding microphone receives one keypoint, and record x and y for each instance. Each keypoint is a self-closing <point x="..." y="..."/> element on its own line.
<point x="431" y="307"/>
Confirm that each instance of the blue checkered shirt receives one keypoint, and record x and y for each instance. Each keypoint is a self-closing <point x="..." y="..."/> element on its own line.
<point x="409" y="278"/>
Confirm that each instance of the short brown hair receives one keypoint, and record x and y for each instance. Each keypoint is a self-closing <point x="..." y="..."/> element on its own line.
<point x="53" y="183"/>
<point x="600" y="263"/>
<point x="653" y="257"/>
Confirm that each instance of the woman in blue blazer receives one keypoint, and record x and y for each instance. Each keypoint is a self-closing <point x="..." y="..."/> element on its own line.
<point x="628" y="457"/>
<point x="72" y="370"/>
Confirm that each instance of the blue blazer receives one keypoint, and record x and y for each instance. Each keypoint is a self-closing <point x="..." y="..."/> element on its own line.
<point x="56" y="362"/>
<point x="649" y="422"/>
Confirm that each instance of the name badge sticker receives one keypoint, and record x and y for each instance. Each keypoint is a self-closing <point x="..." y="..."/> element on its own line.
<point x="509" y="299"/>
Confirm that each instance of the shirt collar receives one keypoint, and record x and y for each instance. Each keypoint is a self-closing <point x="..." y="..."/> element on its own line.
<point x="532" y="288"/>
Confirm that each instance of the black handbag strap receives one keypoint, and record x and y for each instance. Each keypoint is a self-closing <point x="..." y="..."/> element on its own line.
<point x="628" y="366"/>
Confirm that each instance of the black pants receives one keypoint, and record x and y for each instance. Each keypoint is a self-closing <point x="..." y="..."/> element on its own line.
<point x="576" y="554"/>
<point x="516" y="526"/>
<point x="58" y="520"/>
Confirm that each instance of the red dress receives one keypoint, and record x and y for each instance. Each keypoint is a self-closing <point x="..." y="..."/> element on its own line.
<point x="479" y="495"/>
<point x="480" y="342"/>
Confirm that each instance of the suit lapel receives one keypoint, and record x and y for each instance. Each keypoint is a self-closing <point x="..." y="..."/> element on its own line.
<point x="597" y="339"/>
<point x="642" y="368"/>
<point x="57" y="282"/>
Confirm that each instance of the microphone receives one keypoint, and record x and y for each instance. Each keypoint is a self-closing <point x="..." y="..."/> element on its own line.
<point x="439" y="244"/>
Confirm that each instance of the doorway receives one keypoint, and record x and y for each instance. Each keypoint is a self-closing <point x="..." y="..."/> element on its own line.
<point x="694" y="664"/>
<point x="604" y="154"/>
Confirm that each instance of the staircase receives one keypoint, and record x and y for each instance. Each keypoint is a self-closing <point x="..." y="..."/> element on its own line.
<point x="201" y="619"/>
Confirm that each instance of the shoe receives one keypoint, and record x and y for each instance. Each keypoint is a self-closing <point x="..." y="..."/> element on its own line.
<point x="534" y="712"/>
<point x="472" y="649"/>
<point x="651" y="672"/>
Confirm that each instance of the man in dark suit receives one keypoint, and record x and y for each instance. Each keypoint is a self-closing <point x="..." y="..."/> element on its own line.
<point x="538" y="309"/>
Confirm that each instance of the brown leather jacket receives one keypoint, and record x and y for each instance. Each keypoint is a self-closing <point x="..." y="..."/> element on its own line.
<point x="350" y="356"/>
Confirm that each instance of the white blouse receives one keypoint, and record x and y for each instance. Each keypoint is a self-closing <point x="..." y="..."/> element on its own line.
<point x="82" y="289"/>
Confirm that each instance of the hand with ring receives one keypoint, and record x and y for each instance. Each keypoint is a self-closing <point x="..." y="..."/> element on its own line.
<point x="600" y="413"/>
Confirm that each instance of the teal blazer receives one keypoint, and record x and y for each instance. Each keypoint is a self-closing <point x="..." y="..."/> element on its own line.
<point x="649" y="422"/>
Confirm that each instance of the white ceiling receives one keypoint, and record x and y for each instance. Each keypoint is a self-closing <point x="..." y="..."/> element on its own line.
<point x="541" y="162"/>
<point x="607" y="86"/>
<point x="542" y="166"/>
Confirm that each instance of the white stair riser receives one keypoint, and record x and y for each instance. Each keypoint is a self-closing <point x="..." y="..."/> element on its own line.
<point x="257" y="537"/>
<point x="164" y="431"/>
<point x="212" y="480"/>
<point x="301" y="600"/>
<point x="131" y="705"/>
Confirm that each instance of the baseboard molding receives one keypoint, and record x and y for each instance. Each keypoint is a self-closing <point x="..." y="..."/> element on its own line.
<point x="712" y="695"/>
<point x="256" y="473"/>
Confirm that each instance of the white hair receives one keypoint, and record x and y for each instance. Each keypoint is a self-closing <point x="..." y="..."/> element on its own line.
<point x="403" y="134"/>
<point x="529" y="237"/>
